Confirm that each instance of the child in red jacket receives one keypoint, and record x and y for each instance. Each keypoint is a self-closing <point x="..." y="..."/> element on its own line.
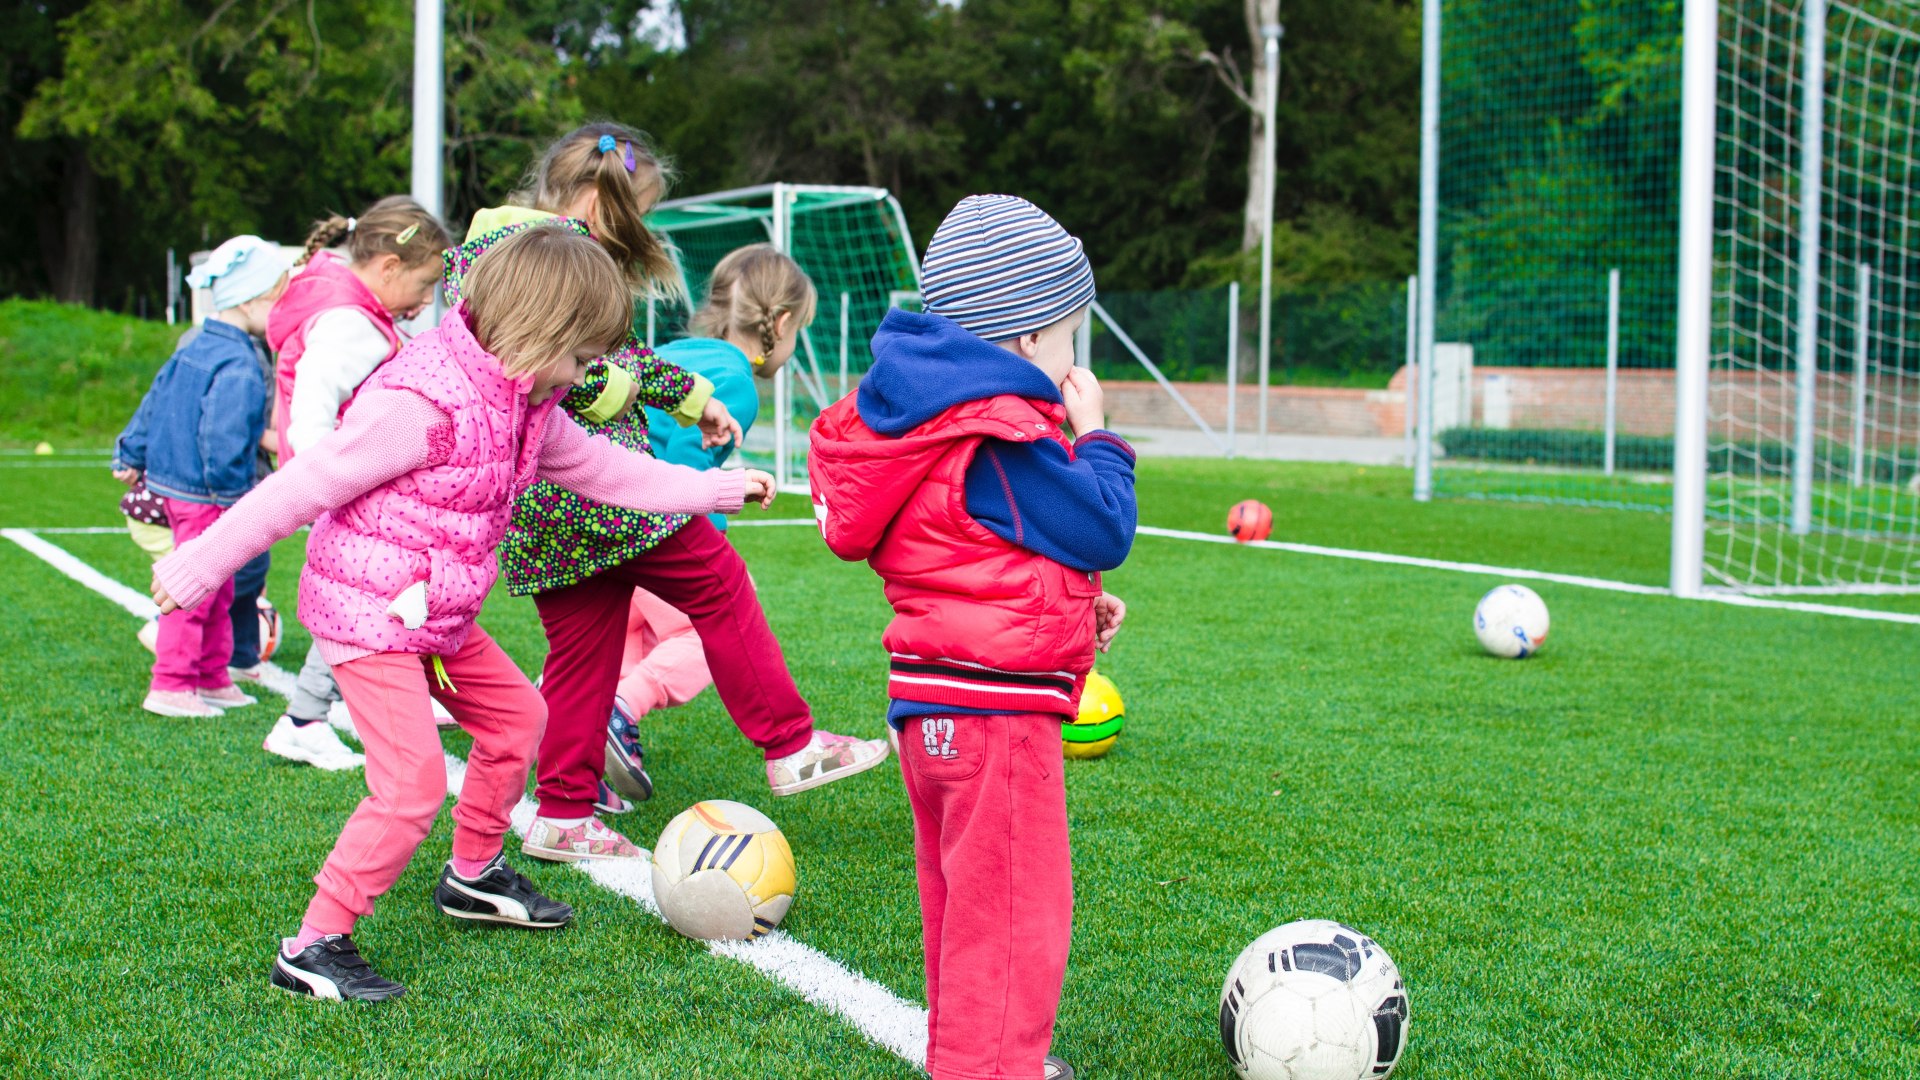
<point x="949" y="474"/>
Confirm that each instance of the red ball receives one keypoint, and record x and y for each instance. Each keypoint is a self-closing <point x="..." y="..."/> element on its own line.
<point x="1250" y="520"/>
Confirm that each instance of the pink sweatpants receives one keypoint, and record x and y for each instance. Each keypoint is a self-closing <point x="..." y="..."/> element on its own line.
<point x="665" y="665"/>
<point x="407" y="769"/>
<point x="989" y="802"/>
<point x="194" y="646"/>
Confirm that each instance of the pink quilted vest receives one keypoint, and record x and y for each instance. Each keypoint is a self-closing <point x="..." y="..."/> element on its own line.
<point x="325" y="284"/>
<point x="440" y="524"/>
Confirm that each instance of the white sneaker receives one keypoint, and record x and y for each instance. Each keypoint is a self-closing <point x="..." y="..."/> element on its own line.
<point x="228" y="697"/>
<point x="584" y="841"/>
<point x="315" y="744"/>
<point x="255" y="674"/>
<point x="149" y="635"/>
<point x="828" y="757"/>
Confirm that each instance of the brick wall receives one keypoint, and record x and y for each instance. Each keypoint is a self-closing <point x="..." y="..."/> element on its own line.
<point x="1752" y="405"/>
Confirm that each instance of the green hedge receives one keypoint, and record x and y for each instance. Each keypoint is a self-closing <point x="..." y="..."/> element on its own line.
<point x="1648" y="453"/>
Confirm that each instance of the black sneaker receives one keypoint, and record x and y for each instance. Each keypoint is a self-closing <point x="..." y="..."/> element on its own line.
<point x="332" y="969"/>
<point x="498" y="895"/>
<point x="626" y="765"/>
<point x="1056" y="1069"/>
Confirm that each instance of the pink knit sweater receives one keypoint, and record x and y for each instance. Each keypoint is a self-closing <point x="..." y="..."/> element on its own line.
<point x="389" y="433"/>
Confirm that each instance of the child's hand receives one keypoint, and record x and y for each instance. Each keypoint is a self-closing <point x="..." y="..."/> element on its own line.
<point x="760" y="487"/>
<point x="718" y="427"/>
<point x="1086" y="402"/>
<point x="126" y="476"/>
<point x="1109" y="611"/>
<point x="160" y="598"/>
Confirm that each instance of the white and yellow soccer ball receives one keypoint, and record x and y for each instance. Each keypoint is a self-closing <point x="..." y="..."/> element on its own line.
<point x="1313" y="1000"/>
<point x="722" y="871"/>
<point x="1511" y="621"/>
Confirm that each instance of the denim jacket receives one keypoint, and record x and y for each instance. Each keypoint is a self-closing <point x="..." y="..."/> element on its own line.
<point x="197" y="432"/>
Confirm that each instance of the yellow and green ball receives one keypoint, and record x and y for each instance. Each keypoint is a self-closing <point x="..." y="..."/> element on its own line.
<point x="1102" y="715"/>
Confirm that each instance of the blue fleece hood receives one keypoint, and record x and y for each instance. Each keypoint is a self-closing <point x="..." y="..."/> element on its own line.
<point x="924" y="365"/>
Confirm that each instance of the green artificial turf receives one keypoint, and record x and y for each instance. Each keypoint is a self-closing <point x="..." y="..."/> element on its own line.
<point x="1682" y="839"/>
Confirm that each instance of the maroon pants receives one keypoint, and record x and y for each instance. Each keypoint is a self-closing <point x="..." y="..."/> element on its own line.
<point x="700" y="574"/>
<point x="996" y="887"/>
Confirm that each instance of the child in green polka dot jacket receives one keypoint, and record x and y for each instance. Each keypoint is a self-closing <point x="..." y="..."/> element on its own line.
<point x="581" y="560"/>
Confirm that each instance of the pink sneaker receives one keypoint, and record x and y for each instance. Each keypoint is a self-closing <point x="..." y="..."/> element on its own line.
<point x="227" y="697"/>
<point x="589" y="840"/>
<point x="183" y="703"/>
<point x="826" y="758"/>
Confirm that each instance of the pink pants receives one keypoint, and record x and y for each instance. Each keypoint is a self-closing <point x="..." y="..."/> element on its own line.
<point x="697" y="572"/>
<point x="665" y="664"/>
<point x="990" y="848"/>
<point x="407" y="769"/>
<point x="194" y="646"/>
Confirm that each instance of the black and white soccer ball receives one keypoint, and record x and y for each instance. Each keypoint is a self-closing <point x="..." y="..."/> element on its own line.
<point x="1313" y="1000"/>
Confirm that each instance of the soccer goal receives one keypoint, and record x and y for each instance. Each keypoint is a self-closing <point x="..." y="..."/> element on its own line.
<point x="1672" y="260"/>
<point x="852" y="241"/>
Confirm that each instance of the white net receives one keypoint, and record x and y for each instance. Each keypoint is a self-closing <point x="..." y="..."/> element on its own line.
<point x="1813" y="484"/>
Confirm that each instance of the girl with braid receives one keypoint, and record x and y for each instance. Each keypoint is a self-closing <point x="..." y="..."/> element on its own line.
<point x="581" y="560"/>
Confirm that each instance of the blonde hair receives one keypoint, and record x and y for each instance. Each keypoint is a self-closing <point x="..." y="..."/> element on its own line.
<point x="396" y="225"/>
<point x="749" y="290"/>
<point x="543" y="293"/>
<point x="630" y="178"/>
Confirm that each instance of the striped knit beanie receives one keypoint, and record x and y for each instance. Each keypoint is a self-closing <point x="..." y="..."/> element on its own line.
<point x="1000" y="267"/>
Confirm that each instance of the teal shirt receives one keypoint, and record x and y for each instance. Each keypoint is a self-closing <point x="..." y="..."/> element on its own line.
<point x="732" y="376"/>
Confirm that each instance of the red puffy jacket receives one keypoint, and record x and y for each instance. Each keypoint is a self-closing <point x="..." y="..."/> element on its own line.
<point x="978" y="621"/>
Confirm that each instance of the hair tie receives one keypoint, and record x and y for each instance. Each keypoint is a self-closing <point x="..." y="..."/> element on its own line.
<point x="628" y="159"/>
<point x="352" y="223"/>
<point x="759" y="361"/>
<point x="606" y="144"/>
<point x="407" y="234"/>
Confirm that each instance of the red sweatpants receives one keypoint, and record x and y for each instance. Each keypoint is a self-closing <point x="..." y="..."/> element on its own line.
<point x="700" y="574"/>
<point x="996" y="888"/>
<point x="407" y="767"/>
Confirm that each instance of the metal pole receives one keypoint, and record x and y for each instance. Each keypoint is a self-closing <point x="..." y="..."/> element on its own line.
<point x="1233" y="362"/>
<point x="1813" y="81"/>
<point x="173" y="288"/>
<point x="782" y="379"/>
<point x="1271" y="34"/>
<point x="429" y="121"/>
<point x="1692" y="339"/>
<point x="1428" y="271"/>
<point x="846" y="327"/>
<point x="649" y="322"/>
<point x="1862" y="326"/>
<point x="1083" y="342"/>
<point x="1409" y="394"/>
<point x="1613" y="359"/>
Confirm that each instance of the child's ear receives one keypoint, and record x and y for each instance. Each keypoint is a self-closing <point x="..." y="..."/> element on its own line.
<point x="783" y="324"/>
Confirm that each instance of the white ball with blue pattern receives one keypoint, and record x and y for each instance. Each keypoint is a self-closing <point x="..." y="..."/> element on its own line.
<point x="1511" y="621"/>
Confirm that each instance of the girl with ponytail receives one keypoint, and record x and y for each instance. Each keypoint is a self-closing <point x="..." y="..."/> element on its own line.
<point x="337" y="322"/>
<point x="582" y="560"/>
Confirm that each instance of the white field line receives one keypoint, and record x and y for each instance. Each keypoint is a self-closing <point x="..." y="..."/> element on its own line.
<point x="1509" y="572"/>
<point x="1517" y="573"/>
<point x="894" y="1024"/>
<point x="79" y="530"/>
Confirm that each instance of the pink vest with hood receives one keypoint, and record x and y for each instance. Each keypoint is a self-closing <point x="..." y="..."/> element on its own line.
<point x="325" y="284"/>
<point x="440" y="524"/>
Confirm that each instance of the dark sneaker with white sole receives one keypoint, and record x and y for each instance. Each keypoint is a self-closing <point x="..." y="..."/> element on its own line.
<point x="1056" y="1069"/>
<point x="626" y="764"/>
<point x="498" y="895"/>
<point x="333" y="970"/>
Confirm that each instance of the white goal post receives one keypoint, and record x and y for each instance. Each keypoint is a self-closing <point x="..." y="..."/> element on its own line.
<point x="1797" y="436"/>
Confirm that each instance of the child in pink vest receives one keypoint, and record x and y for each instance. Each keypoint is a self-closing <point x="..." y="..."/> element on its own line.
<point x="335" y="324"/>
<point x="948" y="472"/>
<point x="412" y="494"/>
